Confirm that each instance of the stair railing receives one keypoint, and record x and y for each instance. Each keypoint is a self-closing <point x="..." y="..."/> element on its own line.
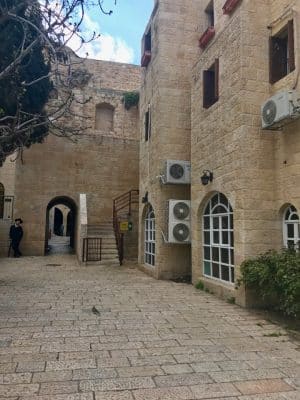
<point x="123" y="203"/>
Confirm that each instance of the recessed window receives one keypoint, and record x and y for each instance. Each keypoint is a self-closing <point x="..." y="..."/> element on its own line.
<point x="146" y="49"/>
<point x="150" y="237"/>
<point x="210" y="16"/>
<point x="211" y="85"/>
<point x="282" y="53"/>
<point x="218" y="241"/>
<point x="147" y="124"/>
<point x="1" y="200"/>
<point x="104" y="117"/>
<point x="291" y="228"/>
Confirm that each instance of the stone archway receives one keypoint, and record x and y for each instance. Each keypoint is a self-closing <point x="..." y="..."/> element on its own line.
<point x="72" y="215"/>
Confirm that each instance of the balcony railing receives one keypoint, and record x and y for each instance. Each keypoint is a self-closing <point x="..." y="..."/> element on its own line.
<point x="6" y="207"/>
<point x="207" y="37"/>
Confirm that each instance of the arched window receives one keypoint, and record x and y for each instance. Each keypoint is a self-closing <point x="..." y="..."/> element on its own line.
<point x="218" y="241"/>
<point x="1" y="200"/>
<point x="150" y="237"/>
<point x="104" y="117"/>
<point x="291" y="228"/>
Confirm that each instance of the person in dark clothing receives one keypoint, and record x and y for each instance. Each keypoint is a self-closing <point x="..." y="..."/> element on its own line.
<point x="16" y="234"/>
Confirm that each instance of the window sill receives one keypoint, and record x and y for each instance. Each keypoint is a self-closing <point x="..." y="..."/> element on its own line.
<point x="230" y="6"/>
<point x="207" y="37"/>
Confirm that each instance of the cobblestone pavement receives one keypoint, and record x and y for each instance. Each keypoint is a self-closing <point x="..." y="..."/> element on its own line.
<point x="113" y="333"/>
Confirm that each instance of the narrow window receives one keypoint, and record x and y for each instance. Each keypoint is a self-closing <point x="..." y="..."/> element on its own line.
<point x="147" y="124"/>
<point x="210" y="16"/>
<point x="282" y="53"/>
<point x="149" y="237"/>
<point x="104" y="117"/>
<point x="218" y="241"/>
<point x="291" y="228"/>
<point x="1" y="200"/>
<point x="211" y="85"/>
<point x="147" y="41"/>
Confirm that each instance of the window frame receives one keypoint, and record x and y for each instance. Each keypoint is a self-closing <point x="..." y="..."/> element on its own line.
<point x="289" y="221"/>
<point x="211" y="85"/>
<point x="277" y="70"/>
<point x="218" y="253"/>
<point x="149" y="237"/>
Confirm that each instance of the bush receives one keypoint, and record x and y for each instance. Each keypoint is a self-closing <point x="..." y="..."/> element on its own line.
<point x="199" y="285"/>
<point x="275" y="277"/>
<point x="131" y="99"/>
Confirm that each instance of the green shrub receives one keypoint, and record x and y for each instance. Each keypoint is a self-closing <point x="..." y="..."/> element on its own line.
<point x="275" y="277"/>
<point x="199" y="285"/>
<point x="131" y="99"/>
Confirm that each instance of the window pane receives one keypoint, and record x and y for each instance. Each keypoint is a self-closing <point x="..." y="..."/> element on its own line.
<point x="225" y="273"/>
<point x="231" y="239"/>
<point x="206" y="222"/>
<point x="220" y="210"/>
<point x="225" y="256"/>
<point x="290" y="230"/>
<point x="207" y="253"/>
<point x="215" y="253"/>
<point x="223" y="199"/>
<point x="225" y="237"/>
<point x="216" y="223"/>
<point x="295" y="217"/>
<point x="207" y="270"/>
<point x="232" y="274"/>
<point x="225" y="223"/>
<point x="214" y="200"/>
<point x="215" y="270"/>
<point x="207" y="237"/>
<point x="231" y="257"/>
<point x="216" y="236"/>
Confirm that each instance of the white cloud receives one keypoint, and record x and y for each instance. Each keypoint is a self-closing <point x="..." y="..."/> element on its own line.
<point x="106" y="47"/>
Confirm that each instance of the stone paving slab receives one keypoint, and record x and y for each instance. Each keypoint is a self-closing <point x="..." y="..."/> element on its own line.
<point x="150" y="340"/>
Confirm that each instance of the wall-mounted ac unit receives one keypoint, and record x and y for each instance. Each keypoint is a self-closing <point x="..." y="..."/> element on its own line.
<point x="279" y="110"/>
<point x="179" y="223"/>
<point x="177" y="172"/>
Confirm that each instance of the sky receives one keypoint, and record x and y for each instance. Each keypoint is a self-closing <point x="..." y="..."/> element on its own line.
<point x="121" y="32"/>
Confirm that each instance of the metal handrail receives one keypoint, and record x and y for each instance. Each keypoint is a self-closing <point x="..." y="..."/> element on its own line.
<point x="88" y="255"/>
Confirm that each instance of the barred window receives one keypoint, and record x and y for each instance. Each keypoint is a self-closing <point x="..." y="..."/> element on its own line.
<point x="291" y="228"/>
<point x="150" y="237"/>
<point x="218" y="240"/>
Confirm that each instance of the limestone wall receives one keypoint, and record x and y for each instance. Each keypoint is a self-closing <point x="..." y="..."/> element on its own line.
<point x="166" y="88"/>
<point x="103" y="165"/>
<point x="257" y="170"/>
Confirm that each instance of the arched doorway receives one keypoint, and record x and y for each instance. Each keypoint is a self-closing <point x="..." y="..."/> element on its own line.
<point x="60" y="225"/>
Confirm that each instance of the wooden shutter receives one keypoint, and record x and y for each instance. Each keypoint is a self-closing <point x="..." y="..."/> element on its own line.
<point x="278" y="60"/>
<point x="216" y="79"/>
<point x="291" y="46"/>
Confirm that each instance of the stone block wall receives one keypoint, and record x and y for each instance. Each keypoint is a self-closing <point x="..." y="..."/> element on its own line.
<point x="165" y="92"/>
<point x="102" y="165"/>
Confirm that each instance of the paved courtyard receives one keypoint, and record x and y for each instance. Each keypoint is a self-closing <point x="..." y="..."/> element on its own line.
<point x="113" y="333"/>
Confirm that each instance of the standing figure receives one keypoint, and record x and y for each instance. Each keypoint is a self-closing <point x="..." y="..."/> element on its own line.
<point x="16" y="234"/>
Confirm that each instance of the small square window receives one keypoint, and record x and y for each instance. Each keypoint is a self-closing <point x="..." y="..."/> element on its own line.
<point x="282" y="53"/>
<point x="211" y="85"/>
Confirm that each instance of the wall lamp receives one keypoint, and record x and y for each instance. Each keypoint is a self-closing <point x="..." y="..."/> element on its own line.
<point x="145" y="198"/>
<point x="207" y="177"/>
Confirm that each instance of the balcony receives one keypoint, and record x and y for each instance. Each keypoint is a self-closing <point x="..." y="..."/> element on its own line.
<point x="146" y="57"/>
<point x="229" y="6"/>
<point x="206" y="37"/>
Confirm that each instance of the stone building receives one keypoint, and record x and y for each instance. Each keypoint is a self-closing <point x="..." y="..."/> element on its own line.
<point x="102" y="164"/>
<point x="214" y="187"/>
<point x="212" y="65"/>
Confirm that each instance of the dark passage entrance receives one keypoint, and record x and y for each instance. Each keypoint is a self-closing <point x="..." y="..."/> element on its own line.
<point x="60" y="225"/>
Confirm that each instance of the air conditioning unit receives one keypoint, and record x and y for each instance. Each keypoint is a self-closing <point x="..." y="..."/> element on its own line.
<point x="280" y="109"/>
<point x="179" y="223"/>
<point x="177" y="172"/>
